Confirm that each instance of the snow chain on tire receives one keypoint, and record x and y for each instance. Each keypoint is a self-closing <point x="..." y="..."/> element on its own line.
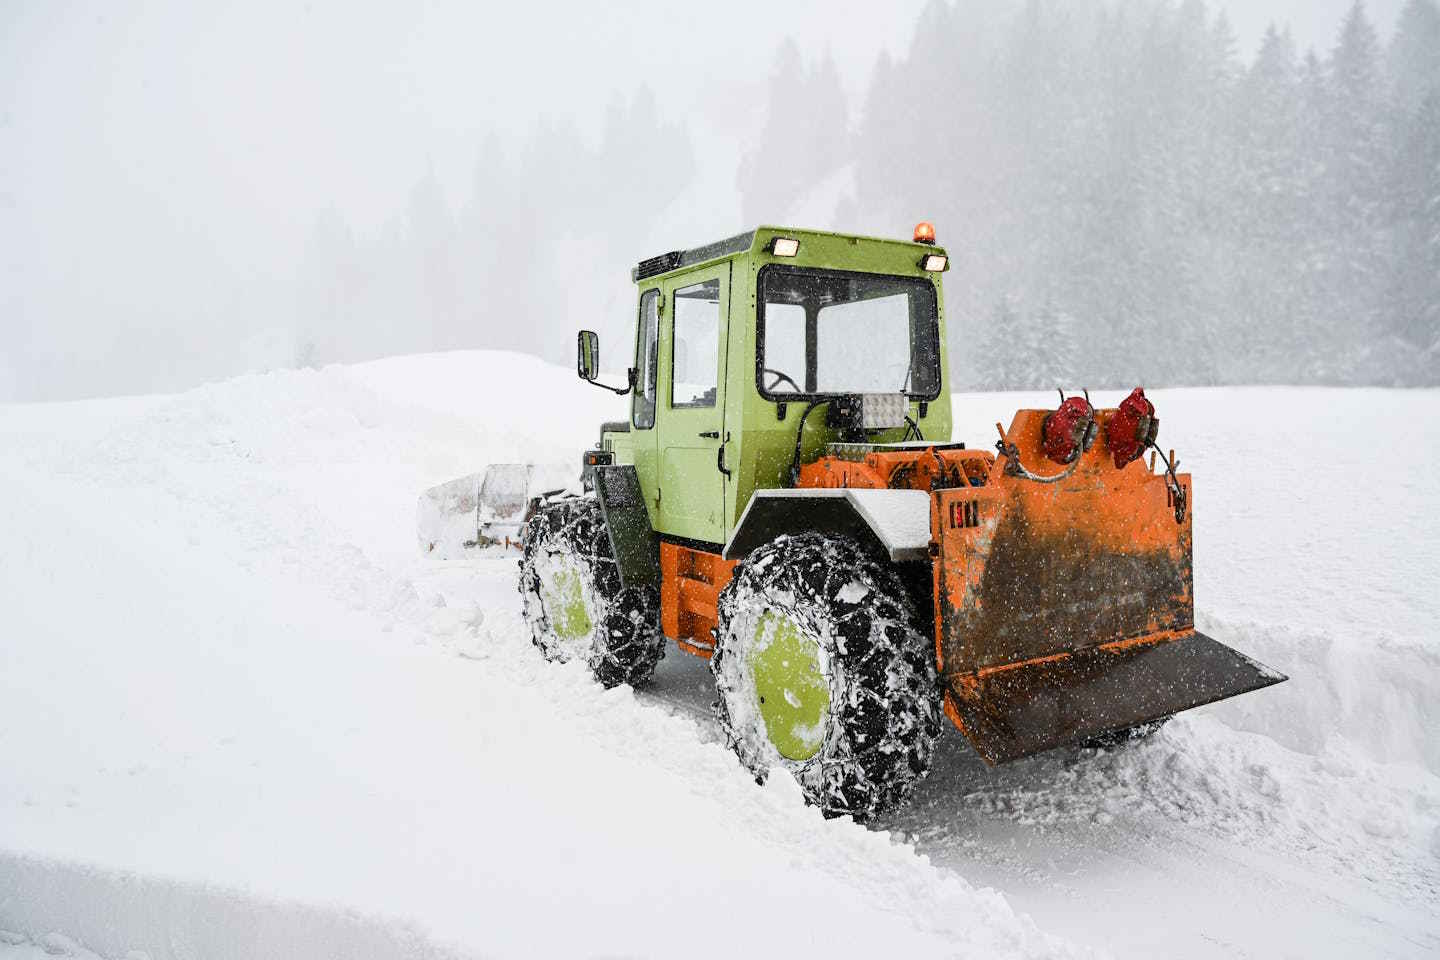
<point x="878" y="729"/>
<point x="613" y="630"/>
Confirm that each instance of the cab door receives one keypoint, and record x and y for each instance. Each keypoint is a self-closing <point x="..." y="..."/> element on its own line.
<point x="692" y="405"/>
<point x="644" y="445"/>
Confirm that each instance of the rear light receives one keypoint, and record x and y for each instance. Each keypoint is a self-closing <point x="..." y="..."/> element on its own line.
<point x="784" y="246"/>
<point x="925" y="232"/>
<point x="1132" y="428"/>
<point x="934" y="262"/>
<point x="1069" y="430"/>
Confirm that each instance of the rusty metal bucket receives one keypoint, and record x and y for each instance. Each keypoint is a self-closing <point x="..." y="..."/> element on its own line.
<point x="1065" y="609"/>
<point x="1037" y="705"/>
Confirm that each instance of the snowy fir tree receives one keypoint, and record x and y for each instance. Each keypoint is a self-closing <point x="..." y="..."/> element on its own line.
<point x="805" y="136"/>
<point x="1198" y="217"/>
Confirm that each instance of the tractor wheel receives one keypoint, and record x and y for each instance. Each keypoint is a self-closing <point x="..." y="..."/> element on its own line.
<point x="574" y="603"/>
<point x="821" y="670"/>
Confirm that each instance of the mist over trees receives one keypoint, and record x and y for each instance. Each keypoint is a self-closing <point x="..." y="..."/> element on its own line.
<point x="1125" y="197"/>
<point x="514" y="265"/>
<point x="1126" y="200"/>
<point x="805" y="137"/>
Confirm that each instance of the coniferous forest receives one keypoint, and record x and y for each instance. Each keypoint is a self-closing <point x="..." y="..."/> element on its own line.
<point x="1128" y="199"/>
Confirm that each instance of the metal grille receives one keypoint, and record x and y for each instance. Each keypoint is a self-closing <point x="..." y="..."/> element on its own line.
<point x="658" y="265"/>
<point x="964" y="513"/>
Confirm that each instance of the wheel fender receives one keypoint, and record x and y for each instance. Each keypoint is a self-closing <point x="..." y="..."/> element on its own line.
<point x="897" y="520"/>
<point x="632" y="540"/>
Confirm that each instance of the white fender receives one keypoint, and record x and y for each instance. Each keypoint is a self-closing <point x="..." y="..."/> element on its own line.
<point x="898" y="520"/>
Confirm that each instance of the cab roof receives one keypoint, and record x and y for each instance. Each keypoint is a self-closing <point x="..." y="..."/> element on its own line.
<point x="751" y="241"/>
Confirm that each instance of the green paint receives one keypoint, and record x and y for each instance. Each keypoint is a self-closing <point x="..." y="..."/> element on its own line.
<point x="565" y="604"/>
<point x="790" y="686"/>
<point x="693" y="501"/>
<point x="685" y="493"/>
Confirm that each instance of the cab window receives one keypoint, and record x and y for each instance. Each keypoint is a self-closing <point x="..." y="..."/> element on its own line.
<point x="830" y="332"/>
<point x="695" y="360"/>
<point x="646" y="354"/>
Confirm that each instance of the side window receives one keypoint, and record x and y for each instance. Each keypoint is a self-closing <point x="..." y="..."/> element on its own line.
<point x="695" y="358"/>
<point x="647" y="353"/>
<point x="784" y="348"/>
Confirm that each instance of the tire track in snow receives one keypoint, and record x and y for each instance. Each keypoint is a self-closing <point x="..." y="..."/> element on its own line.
<point x="242" y="502"/>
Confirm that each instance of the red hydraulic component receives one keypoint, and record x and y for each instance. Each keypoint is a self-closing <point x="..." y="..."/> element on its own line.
<point x="1069" y="430"/>
<point x="1132" y="428"/>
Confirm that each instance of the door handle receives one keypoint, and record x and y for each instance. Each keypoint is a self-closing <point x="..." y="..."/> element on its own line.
<point x="710" y="434"/>
<point x="720" y="460"/>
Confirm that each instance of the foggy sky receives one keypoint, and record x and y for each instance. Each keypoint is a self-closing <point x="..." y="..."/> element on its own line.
<point x="161" y="164"/>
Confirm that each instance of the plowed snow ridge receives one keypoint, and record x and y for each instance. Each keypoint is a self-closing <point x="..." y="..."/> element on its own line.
<point x="232" y="689"/>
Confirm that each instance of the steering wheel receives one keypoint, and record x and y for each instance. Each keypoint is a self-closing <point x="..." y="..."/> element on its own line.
<point x="781" y="377"/>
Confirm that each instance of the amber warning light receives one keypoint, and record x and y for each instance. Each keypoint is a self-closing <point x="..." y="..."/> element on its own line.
<point x="925" y="232"/>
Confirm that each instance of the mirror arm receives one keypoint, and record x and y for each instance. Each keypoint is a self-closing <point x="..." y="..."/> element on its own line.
<point x="629" y="375"/>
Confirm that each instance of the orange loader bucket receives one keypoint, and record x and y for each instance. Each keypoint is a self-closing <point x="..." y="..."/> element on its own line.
<point x="1064" y="606"/>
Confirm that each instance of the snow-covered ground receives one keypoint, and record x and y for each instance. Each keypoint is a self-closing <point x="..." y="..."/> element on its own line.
<point x="241" y="715"/>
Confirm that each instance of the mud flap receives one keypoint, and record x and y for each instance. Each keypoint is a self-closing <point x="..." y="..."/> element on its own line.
<point x="633" y="542"/>
<point x="1025" y="708"/>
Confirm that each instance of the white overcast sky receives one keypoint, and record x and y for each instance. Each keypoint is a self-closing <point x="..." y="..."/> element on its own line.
<point x="220" y="129"/>
<point x="346" y="102"/>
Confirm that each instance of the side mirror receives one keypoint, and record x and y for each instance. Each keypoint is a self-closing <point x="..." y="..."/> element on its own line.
<point x="588" y="362"/>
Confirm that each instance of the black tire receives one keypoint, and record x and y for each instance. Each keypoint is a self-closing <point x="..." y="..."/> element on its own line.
<point x="618" y="637"/>
<point x="1118" y="738"/>
<point x="876" y="736"/>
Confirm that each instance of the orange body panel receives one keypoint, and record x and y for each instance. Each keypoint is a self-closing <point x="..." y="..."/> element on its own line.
<point x="690" y="584"/>
<point x="913" y="469"/>
<point x="1062" y="599"/>
<point x="1024" y="572"/>
<point x="1027" y="570"/>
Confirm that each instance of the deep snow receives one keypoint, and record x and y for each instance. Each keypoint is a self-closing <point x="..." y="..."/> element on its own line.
<point x="241" y="715"/>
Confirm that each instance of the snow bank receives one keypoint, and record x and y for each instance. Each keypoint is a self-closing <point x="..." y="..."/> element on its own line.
<point x="231" y="689"/>
<point x="1312" y="556"/>
<point x="231" y="692"/>
<point x="145" y="917"/>
<point x="1313" y="553"/>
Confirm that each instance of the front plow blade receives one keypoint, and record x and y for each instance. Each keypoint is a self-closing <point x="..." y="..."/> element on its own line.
<point x="1024" y="708"/>
<point x="489" y="507"/>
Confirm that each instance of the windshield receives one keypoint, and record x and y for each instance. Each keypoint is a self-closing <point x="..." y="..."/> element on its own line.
<point x="827" y="332"/>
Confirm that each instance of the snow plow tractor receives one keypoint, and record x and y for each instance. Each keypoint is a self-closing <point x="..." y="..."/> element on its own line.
<point x="785" y="501"/>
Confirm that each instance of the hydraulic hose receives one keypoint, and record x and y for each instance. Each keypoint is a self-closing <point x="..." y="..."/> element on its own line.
<point x="794" y="475"/>
<point x="1015" y="468"/>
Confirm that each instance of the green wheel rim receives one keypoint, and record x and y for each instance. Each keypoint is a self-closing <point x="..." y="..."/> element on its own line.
<point x="791" y="690"/>
<point x="564" y="595"/>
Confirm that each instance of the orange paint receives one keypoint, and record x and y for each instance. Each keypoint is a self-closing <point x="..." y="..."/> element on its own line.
<point x="1043" y="569"/>
<point x="690" y="585"/>
<point x="1024" y="573"/>
<point x="914" y="469"/>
